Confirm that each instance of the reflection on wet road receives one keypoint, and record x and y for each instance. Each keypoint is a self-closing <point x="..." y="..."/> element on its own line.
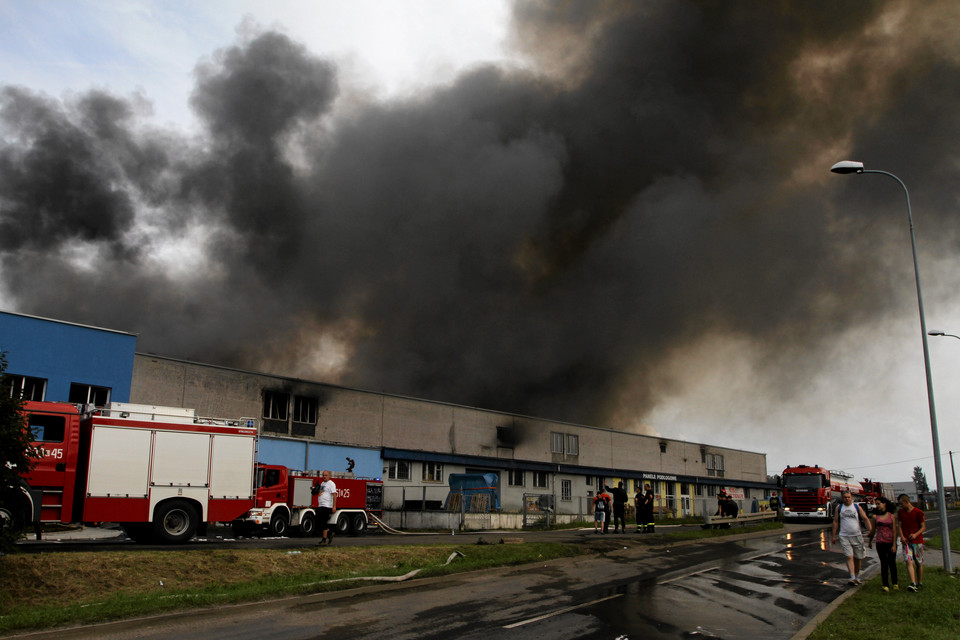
<point x="764" y="588"/>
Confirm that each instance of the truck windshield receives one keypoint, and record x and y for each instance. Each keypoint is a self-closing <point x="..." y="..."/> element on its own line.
<point x="801" y="482"/>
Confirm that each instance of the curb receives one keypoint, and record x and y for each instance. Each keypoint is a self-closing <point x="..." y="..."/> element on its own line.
<point x="827" y="611"/>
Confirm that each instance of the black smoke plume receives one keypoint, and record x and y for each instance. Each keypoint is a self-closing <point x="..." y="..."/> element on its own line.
<point x="537" y="239"/>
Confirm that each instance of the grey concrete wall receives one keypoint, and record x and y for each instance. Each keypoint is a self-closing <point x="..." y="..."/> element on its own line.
<point x="375" y="420"/>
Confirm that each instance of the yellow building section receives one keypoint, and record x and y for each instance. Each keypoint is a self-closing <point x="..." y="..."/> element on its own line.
<point x="669" y="499"/>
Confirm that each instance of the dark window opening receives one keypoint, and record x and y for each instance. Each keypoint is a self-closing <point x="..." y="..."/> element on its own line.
<point x="275" y="405"/>
<point x="89" y="394"/>
<point x="305" y="410"/>
<point x="25" y="387"/>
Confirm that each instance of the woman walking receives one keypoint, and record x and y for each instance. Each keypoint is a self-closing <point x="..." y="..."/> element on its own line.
<point x="886" y="530"/>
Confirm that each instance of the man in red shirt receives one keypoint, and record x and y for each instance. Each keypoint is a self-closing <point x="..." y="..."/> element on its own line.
<point x="912" y="526"/>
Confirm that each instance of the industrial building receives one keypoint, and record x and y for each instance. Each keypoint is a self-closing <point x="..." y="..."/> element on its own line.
<point x="539" y="465"/>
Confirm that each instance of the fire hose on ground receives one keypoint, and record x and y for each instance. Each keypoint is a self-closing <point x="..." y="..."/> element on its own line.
<point x="388" y="529"/>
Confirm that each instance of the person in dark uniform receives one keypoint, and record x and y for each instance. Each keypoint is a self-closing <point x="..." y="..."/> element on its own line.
<point x="619" y="506"/>
<point x="774" y="503"/>
<point x="644" y="504"/>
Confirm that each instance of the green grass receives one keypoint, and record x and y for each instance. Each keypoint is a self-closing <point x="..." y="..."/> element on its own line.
<point x="871" y="614"/>
<point x="933" y="541"/>
<point x="56" y="589"/>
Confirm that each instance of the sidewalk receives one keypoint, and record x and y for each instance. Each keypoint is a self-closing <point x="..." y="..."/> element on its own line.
<point x="934" y="558"/>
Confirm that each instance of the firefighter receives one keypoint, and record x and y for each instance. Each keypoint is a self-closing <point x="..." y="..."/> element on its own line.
<point x="774" y="503"/>
<point x="644" y="504"/>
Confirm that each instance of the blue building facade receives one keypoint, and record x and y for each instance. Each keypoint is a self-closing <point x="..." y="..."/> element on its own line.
<point x="59" y="361"/>
<point x="305" y="455"/>
<point x="65" y="362"/>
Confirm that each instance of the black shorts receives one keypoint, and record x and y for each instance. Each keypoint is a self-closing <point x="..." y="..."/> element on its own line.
<point x="323" y="516"/>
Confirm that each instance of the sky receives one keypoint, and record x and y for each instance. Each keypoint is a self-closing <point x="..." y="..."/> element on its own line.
<point x="609" y="213"/>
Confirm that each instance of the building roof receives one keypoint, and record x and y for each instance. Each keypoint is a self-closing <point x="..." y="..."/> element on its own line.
<point x="73" y="324"/>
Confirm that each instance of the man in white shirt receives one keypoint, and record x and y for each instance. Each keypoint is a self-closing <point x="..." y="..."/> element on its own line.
<point x="847" y="518"/>
<point x="326" y="506"/>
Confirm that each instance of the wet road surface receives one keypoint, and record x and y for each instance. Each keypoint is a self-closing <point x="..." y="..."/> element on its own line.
<point x="758" y="587"/>
<point x="770" y="593"/>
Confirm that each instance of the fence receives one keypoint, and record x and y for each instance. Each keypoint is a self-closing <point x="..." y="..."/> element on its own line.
<point x="428" y="507"/>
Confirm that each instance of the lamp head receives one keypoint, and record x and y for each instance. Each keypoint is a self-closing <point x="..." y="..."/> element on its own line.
<point x="935" y="332"/>
<point x="847" y="166"/>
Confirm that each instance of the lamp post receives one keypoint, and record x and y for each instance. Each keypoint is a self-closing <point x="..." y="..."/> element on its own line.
<point x="850" y="166"/>
<point x="956" y="490"/>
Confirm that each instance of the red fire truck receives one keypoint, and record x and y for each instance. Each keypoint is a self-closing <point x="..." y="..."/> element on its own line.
<point x="873" y="490"/>
<point x="285" y="499"/>
<point x="813" y="492"/>
<point x="161" y="472"/>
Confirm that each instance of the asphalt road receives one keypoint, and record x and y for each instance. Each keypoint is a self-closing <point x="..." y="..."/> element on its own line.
<point x="754" y="587"/>
<point x="748" y="586"/>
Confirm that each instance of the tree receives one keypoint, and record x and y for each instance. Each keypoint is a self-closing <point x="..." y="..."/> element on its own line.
<point x="920" y="480"/>
<point x="17" y="456"/>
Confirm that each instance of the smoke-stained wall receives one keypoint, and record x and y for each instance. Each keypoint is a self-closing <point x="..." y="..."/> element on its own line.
<point x="370" y="420"/>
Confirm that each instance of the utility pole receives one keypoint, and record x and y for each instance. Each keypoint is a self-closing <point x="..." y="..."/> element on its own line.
<point x="956" y="495"/>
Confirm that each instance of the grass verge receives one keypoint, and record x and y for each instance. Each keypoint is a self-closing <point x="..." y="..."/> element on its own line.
<point x="933" y="542"/>
<point x="931" y="614"/>
<point x="56" y="589"/>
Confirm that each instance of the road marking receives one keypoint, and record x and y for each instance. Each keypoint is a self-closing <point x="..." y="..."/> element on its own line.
<point x="560" y="611"/>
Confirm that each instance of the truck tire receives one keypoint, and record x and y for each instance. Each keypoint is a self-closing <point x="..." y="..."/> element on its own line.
<point x="175" y="521"/>
<point x="358" y="524"/>
<point x="279" y="523"/>
<point x="12" y="519"/>
<point x="343" y="524"/>
<point x="308" y="525"/>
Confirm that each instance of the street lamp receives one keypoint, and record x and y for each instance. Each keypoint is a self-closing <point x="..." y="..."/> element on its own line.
<point x="956" y="490"/>
<point x="850" y="166"/>
<point x="937" y="332"/>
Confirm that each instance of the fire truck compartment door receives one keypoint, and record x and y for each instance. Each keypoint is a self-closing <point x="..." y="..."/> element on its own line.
<point x="233" y="465"/>
<point x="180" y="459"/>
<point x="302" y="496"/>
<point x="119" y="462"/>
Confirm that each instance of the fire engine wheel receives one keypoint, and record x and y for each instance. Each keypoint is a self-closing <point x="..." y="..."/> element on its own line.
<point x="176" y="521"/>
<point x="343" y="524"/>
<point x="358" y="524"/>
<point x="279" y="523"/>
<point x="308" y="525"/>
<point x="11" y="519"/>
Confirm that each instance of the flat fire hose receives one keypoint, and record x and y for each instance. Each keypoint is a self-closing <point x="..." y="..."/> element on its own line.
<point x="406" y="576"/>
<point x="388" y="529"/>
